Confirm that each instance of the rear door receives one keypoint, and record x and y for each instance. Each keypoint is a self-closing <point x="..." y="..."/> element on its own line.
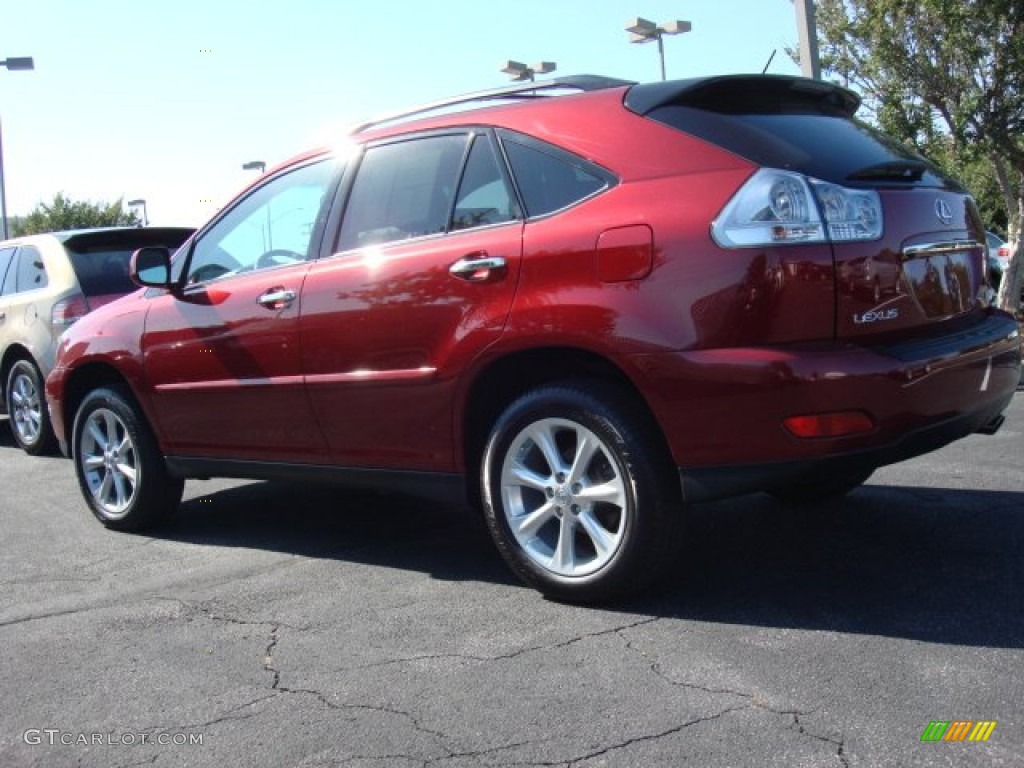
<point x="421" y="280"/>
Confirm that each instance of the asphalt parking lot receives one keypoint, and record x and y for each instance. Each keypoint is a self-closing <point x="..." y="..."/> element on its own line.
<point x="285" y="626"/>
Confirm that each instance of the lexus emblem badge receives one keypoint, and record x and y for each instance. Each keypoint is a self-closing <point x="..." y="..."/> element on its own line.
<point x="943" y="211"/>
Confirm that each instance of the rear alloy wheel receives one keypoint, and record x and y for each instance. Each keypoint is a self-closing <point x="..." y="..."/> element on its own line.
<point x="26" y="409"/>
<point x="579" y="495"/>
<point x="120" y="469"/>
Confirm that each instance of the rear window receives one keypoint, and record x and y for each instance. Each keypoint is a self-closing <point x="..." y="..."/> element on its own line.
<point x="775" y="124"/>
<point x="101" y="258"/>
<point x="102" y="271"/>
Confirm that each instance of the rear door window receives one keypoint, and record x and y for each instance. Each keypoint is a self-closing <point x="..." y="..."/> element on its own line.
<point x="403" y="190"/>
<point x="484" y="197"/>
<point x="31" y="271"/>
<point x="6" y="257"/>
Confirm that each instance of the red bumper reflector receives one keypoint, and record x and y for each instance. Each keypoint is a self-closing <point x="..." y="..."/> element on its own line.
<point x="834" y="424"/>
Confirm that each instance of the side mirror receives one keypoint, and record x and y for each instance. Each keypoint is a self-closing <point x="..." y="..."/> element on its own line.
<point x="150" y="267"/>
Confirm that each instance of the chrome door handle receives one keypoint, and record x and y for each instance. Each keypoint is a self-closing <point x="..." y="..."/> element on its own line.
<point x="477" y="269"/>
<point x="276" y="298"/>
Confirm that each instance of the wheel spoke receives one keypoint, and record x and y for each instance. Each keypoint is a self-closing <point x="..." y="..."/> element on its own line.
<point x="610" y="493"/>
<point x="587" y="445"/>
<point x="110" y="425"/>
<point x="127" y="471"/>
<point x="520" y="475"/>
<point x="97" y="436"/>
<point x="542" y="436"/>
<point x="564" y="558"/>
<point x="603" y="540"/>
<point x="528" y="525"/>
<point x="92" y="461"/>
<point x="103" y="491"/>
<point x="119" y="489"/>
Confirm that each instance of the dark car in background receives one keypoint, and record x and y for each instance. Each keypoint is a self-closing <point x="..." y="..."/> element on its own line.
<point x="47" y="282"/>
<point x="583" y="310"/>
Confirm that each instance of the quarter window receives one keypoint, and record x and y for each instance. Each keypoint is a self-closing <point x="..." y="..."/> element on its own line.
<point x="402" y="190"/>
<point x="547" y="182"/>
<point x="271" y="227"/>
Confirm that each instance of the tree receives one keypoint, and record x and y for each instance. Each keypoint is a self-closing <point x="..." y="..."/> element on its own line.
<point x="947" y="76"/>
<point x="63" y="213"/>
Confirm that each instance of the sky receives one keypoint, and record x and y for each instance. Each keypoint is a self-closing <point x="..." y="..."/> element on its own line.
<point x="166" y="100"/>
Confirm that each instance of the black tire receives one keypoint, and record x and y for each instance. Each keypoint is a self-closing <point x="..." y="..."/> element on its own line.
<point x="120" y="469"/>
<point x="639" y="521"/>
<point x="834" y="486"/>
<point x="27" y="411"/>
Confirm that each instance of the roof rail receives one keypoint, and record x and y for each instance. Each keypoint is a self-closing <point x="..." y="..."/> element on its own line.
<point x="518" y="91"/>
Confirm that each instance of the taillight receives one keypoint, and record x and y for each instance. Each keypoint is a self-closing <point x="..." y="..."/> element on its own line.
<point x="781" y="208"/>
<point x="1004" y="251"/>
<point x="67" y="311"/>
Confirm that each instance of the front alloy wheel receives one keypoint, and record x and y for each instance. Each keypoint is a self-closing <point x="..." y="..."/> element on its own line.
<point x="26" y="408"/>
<point x="579" y="493"/>
<point x="119" y="466"/>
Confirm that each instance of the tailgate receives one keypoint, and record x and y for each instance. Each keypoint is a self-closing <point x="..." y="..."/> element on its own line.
<point x="929" y="267"/>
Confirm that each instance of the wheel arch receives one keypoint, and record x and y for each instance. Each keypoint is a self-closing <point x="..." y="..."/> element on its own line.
<point x="83" y="380"/>
<point x="13" y="354"/>
<point x="504" y="379"/>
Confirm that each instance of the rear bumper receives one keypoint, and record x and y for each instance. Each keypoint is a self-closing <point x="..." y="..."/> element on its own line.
<point x="722" y="411"/>
<point x="709" y="483"/>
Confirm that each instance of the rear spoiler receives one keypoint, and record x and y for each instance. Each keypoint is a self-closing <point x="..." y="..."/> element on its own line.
<point x="763" y="94"/>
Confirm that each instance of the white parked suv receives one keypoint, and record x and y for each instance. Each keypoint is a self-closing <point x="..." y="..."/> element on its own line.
<point x="46" y="283"/>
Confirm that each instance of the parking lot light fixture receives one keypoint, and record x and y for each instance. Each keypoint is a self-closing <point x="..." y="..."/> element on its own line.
<point x="255" y="165"/>
<point x="140" y="203"/>
<point x="519" y="72"/>
<point x="14" y="63"/>
<point x="645" y="31"/>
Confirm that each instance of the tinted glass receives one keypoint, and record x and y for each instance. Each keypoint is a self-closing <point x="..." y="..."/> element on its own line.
<point x="827" y="147"/>
<point x="548" y="183"/>
<point x="103" y="272"/>
<point x="402" y="190"/>
<point x="271" y="227"/>
<point x="6" y="257"/>
<point x="483" y="195"/>
<point x="31" y="272"/>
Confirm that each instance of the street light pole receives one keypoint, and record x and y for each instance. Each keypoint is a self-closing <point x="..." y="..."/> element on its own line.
<point x="810" y="66"/>
<point x="519" y="72"/>
<point x="644" y="31"/>
<point x="14" y="64"/>
<point x="137" y="203"/>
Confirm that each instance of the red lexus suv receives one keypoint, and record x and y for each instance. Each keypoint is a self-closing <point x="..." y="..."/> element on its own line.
<point x="584" y="303"/>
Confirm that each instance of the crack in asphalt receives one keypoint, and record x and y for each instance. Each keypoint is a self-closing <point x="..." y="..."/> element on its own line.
<point x="754" y="702"/>
<point x="568" y="763"/>
<point x="502" y="656"/>
<point x="839" y="744"/>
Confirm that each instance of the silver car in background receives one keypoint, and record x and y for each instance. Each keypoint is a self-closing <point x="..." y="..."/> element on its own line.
<point x="47" y="282"/>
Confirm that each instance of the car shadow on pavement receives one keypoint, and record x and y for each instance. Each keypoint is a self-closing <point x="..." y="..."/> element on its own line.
<point x="936" y="565"/>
